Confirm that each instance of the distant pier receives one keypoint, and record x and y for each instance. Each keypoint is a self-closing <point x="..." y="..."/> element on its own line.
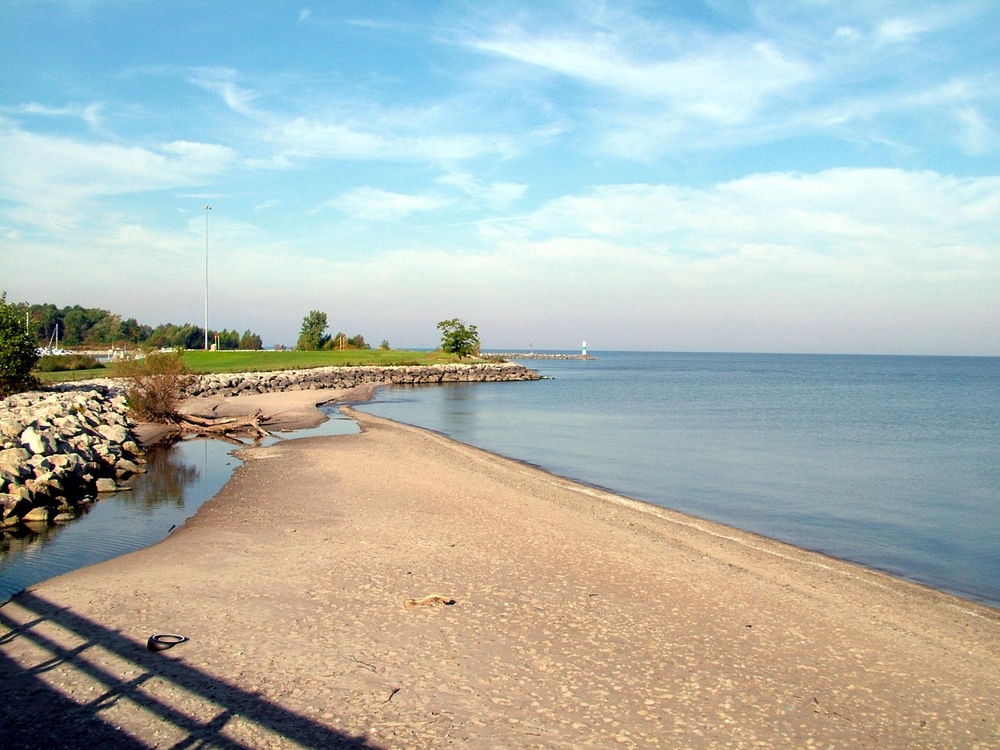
<point x="535" y="355"/>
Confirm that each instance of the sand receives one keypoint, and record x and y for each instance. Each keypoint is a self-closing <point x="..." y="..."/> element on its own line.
<point x="579" y="618"/>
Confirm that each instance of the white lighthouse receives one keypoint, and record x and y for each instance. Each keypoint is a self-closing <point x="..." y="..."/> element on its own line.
<point x="583" y="349"/>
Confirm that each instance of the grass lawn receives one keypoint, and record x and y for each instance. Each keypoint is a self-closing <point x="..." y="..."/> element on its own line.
<point x="267" y="360"/>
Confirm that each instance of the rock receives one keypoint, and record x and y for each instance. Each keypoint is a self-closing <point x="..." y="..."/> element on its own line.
<point x="124" y="466"/>
<point x="64" y="518"/>
<point x="11" y="428"/>
<point x="12" y="458"/>
<point x="36" y="515"/>
<point x="45" y="487"/>
<point x="105" y="484"/>
<point x="66" y="464"/>
<point x="13" y="504"/>
<point x="37" y="442"/>
<point x="132" y="448"/>
<point x="20" y="490"/>
<point x="113" y="432"/>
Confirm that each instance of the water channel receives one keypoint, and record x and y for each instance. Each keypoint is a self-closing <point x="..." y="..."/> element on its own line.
<point x="179" y="478"/>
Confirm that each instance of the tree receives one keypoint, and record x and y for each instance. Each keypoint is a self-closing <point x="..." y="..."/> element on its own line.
<point x="357" y="341"/>
<point x="459" y="338"/>
<point x="313" y="334"/>
<point x="225" y="338"/>
<point x="384" y="346"/>
<point x="250" y="340"/>
<point x="18" y="352"/>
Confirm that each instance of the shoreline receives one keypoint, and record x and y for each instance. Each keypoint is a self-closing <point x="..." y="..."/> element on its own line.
<point x="580" y="616"/>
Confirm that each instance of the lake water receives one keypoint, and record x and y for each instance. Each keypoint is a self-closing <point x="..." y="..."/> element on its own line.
<point x="892" y="462"/>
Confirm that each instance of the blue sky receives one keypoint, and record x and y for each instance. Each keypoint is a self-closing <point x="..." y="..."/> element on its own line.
<point x="810" y="176"/>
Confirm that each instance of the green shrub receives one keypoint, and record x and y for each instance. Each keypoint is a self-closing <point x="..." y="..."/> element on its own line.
<point x="18" y="354"/>
<point x="67" y="363"/>
<point x="155" y="384"/>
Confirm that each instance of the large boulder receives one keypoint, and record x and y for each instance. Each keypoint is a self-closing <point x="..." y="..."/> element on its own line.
<point x="37" y="442"/>
<point x="41" y="514"/>
<point x="106" y="484"/>
<point x="12" y="459"/>
<point x="116" y="433"/>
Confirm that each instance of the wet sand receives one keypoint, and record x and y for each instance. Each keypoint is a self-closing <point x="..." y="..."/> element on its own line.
<point x="579" y="618"/>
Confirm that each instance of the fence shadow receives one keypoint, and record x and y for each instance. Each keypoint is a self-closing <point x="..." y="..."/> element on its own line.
<point x="34" y="714"/>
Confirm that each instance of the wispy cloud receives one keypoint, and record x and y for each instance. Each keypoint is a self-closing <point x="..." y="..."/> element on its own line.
<point x="792" y="71"/>
<point x="305" y="138"/>
<point x="496" y="195"/>
<point x="46" y="176"/>
<point x="374" y="205"/>
<point x="724" y="80"/>
<point x="222" y="82"/>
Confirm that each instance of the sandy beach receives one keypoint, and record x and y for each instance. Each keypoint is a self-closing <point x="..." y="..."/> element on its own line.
<point x="398" y="589"/>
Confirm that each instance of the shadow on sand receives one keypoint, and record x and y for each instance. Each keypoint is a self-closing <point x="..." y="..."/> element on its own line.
<point x="34" y="713"/>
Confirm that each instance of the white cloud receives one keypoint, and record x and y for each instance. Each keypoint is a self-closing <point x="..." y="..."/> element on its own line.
<point x="496" y="195"/>
<point x="900" y="30"/>
<point x="840" y="212"/>
<point x="374" y="205"/>
<point x="304" y="138"/>
<point x="236" y="97"/>
<point x="724" y="80"/>
<point x="978" y="134"/>
<point x="847" y="34"/>
<point x="50" y="179"/>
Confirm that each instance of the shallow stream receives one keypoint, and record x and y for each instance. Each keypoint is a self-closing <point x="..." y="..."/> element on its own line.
<point x="178" y="480"/>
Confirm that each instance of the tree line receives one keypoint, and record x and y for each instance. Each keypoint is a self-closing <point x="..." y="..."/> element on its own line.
<point x="457" y="336"/>
<point x="76" y="326"/>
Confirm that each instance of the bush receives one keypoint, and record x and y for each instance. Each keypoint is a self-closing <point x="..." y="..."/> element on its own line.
<point x="18" y="354"/>
<point x="156" y="382"/>
<point x="67" y="363"/>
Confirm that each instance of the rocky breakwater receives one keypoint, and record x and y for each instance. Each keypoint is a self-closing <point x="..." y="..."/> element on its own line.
<point x="351" y="377"/>
<point x="59" y="450"/>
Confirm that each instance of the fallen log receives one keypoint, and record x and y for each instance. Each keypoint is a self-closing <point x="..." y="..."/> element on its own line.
<point x="217" y="426"/>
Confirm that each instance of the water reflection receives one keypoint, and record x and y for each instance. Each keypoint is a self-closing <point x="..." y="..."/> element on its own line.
<point x="166" y="478"/>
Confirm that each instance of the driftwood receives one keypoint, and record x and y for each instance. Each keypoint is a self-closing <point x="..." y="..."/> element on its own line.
<point x="222" y="426"/>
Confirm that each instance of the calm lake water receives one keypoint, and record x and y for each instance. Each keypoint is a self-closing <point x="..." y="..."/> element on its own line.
<point x="892" y="462"/>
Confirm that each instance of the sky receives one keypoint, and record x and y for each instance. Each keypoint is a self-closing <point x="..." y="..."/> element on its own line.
<point x="724" y="175"/>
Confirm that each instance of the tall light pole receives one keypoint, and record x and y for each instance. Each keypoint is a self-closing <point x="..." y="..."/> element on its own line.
<point x="207" y="209"/>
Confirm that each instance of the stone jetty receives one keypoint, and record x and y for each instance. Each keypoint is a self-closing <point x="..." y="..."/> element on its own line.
<point x="244" y="383"/>
<point x="539" y="355"/>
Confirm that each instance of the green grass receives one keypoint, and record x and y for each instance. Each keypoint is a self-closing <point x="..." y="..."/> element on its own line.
<point x="69" y="375"/>
<point x="266" y="361"/>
